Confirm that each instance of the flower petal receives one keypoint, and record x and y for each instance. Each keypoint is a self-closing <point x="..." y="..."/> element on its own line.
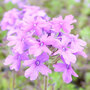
<point x="44" y="69"/>
<point x="29" y="71"/>
<point x="43" y="57"/>
<point x="28" y="62"/>
<point x="67" y="76"/>
<point x="9" y="60"/>
<point x="59" y="67"/>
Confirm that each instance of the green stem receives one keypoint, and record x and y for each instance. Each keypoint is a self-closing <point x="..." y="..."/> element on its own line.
<point x="13" y="80"/>
<point x="45" y="82"/>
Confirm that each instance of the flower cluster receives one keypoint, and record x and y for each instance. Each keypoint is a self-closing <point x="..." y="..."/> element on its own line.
<point x="34" y="38"/>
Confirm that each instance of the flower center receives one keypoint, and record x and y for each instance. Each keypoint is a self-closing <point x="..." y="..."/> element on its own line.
<point x="60" y="34"/>
<point x="60" y="39"/>
<point x="19" y="57"/>
<point x="63" y="48"/>
<point x="37" y="62"/>
<point x="35" y="25"/>
<point x="69" y="45"/>
<point x="61" y="23"/>
<point x="23" y="39"/>
<point x="68" y="66"/>
<point x="41" y="44"/>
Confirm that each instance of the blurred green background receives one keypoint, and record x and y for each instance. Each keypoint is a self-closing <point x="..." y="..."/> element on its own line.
<point x="78" y="8"/>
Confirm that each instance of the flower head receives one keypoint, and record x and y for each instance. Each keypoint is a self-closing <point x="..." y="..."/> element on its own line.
<point x="15" y="60"/>
<point x="65" y="25"/>
<point x="65" y="51"/>
<point x="35" y="24"/>
<point x="9" y="19"/>
<point x="40" y="46"/>
<point x="67" y="71"/>
<point x="37" y="66"/>
<point x="34" y="38"/>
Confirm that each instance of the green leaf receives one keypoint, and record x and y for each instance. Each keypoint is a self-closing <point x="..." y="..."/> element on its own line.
<point x="85" y="33"/>
<point x="87" y="77"/>
<point x="9" y="6"/>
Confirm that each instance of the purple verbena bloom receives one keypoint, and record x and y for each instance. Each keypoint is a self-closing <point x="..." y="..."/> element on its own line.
<point x="82" y="53"/>
<point x="64" y="51"/>
<point x="67" y="71"/>
<point x="35" y="24"/>
<point x="32" y="33"/>
<point x="65" y="25"/>
<point x="77" y="45"/>
<point x="52" y="40"/>
<point x="34" y="11"/>
<point x="15" y="60"/>
<point x="37" y="66"/>
<point x="19" y="41"/>
<point x="9" y="19"/>
<point x="15" y="28"/>
<point x="30" y="10"/>
<point x="40" y="46"/>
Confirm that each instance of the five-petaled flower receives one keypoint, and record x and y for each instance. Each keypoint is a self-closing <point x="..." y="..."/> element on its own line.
<point x="67" y="71"/>
<point x="37" y="66"/>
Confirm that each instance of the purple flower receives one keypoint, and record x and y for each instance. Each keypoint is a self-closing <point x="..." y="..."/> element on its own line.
<point x="20" y="42"/>
<point x="9" y="19"/>
<point x="77" y="45"/>
<point x="35" y="24"/>
<point x="14" y="30"/>
<point x="34" y="11"/>
<point x="59" y="23"/>
<point x="82" y="53"/>
<point x="37" y="66"/>
<point x="65" y="51"/>
<point x="40" y="46"/>
<point x="32" y="33"/>
<point x="15" y="60"/>
<point x="67" y="71"/>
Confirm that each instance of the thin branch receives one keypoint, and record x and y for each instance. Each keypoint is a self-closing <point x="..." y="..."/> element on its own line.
<point x="13" y="79"/>
<point x="45" y="82"/>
